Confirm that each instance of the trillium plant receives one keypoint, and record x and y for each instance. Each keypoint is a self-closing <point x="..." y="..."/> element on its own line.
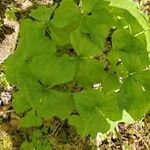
<point x="81" y="61"/>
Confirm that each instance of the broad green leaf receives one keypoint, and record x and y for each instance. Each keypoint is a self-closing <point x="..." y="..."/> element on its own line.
<point x="88" y="6"/>
<point x="133" y="99"/>
<point x="61" y="35"/>
<point x="104" y="16"/>
<point x="143" y="77"/>
<point x="42" y="13"/>
<point x="90" y="116"/>
<point x="95" y="99"/>
<point x="31" y="119"/>
<point x="97" y="32"/>
<point x="91" y="105"/>
<point x="37" y="44"/>
<point x="125" y="20"/>
<point x="53" y="70"/>
<point x="131" y="50"/>
<point x="66" y="13"/>
<point x="141" y="18"/>
<point x="116" y="64"/>
<point x="83" y="45"/>
<point x="44" y="101"/>
<point x="89" y="72"/>
<point x="124" y="41"/>
<point x="90" y="124"/>
<point x="55" y="103"/>
<point x="109" y="105"/>
<point x="110" y="81"/>
<point x="13" y="70"/>
<point x="20" y="103"/>
<point x="134" y="62"/>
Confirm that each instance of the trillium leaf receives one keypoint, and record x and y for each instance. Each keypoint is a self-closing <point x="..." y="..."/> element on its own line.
<point x="89" y="72"/>
<point x="92" y="105"/>
<point x="110" y="81"/>
<point x="31" y="119"/>
<point x="90" y="119"/>
<point x="90" y="124"/>
<point x="97" y="32"/>
<point x="20" y="103"/>
<point x="89" y="5"/>
<point x="55" y="103"/>
<point x="143" y="77"/>
<point x="42" y="13"/>
<point x="133" y="99"/>
<point x="53" y="70"/>
<point x="134" y="62"/>
<point x="132" y="51"/>
<point x="29" y="48"/>
<point x="71" y="14"/>
<point x="61" y="35"/>
<point x="83" y="45"/>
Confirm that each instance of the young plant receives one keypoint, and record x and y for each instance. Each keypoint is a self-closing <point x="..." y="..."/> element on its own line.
<point x="84" y="62"/>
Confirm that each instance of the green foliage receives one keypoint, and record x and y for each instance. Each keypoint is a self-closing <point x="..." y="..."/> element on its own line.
<point x="72" y="63"/>
<point x="37" y="142"/>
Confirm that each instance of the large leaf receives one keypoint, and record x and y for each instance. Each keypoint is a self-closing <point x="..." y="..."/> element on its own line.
<point x="83" y="45"/>
<point x="97" y="32"/>
<point x="90" y="119"/>
<point x="62" y="35"/>
<point x="66" y="13"/>
<point x="52" y="70"/>
<point x="45" y="101"/>
<point x="42" y="13"/>
<point x="88" y="6"/>
<point x="89" y="72"/>
<point x="31" y="119"/>
<point x="131" y="7"/>
<point x="143" y="77"/>
<point x="110" y="81"/>
<point x="55" y="103"/>
<point x="37" y="44"/>
<point x="132" y="51"/>
<point x="20" y="103"/>
<point x="133" y="99"/>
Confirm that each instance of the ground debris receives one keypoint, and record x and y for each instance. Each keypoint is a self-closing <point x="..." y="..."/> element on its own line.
<point x="135" y="136"/>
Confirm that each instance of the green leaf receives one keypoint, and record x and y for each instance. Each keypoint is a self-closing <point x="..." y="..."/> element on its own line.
<point x="88" y="6"/>
<point x="53" y="70"/>
<point x="109" y="105"/>
<point x="134" y="62"/>
<point x="55" y="103"/>
<point x="45" y="101"/>
<point x="124" y="41"/>
<point x="31" y="119"/>
<point x="83" y="45"/>
<point x="67" y="13"/>
<point x="28" y="47"/>
<point x="131" y="50"/>
<point x="104" y="16"/>
<point x="20" y="103"/>
<point x="42" y="13"/>
<point x="97" y="32"/>
<point x="13" y="70"/>
<point x="110" y="81"/>
<point x="88" y="104"/>
<point x="143" y="77"/>
<point x="89" y="72"/>
<point x="133" y="99"/>
<point x="62" y="35"/>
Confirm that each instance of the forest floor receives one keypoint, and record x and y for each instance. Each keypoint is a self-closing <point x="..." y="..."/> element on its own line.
<point x="125" y="136"/>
